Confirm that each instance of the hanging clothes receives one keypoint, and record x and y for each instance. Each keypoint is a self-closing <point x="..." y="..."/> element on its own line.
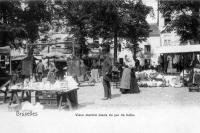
<point x="176" y="59"/>
<point x="169" y="67"/>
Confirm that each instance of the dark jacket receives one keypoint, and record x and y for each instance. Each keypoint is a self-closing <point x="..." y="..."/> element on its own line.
<point x="40" y="68"/>
<point x="107" y="68"/>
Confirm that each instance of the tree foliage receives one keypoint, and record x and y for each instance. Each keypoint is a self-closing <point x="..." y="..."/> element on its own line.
<point x="108" y="20"/>
<point x="95" y="19"/>
<point x="185" y="18"/>
<point x="122" y="19"/>
<point x="21" y="22"/>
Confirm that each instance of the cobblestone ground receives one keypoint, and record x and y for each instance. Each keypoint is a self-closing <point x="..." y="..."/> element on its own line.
<point x="154" y="110"/>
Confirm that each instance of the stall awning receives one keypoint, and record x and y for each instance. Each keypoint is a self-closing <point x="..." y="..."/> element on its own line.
<point x="5" y="50"/>
<point x="21" y="57"/>
<point x="179" y="49"/>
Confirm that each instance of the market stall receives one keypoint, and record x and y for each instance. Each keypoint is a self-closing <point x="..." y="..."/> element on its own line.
<point x="5" y="70"/>
<point x="177" y="58"/>
<point x="63" y="89"/>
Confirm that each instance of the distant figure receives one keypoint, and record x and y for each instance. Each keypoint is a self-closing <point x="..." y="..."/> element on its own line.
<point x="40" y="70"/>
<point x="95" y="72"/>
<point x="194" y="62"/>
<point x="52" y="73"/>
<point x="61" y="72"/>
<point x="83" y="69"/>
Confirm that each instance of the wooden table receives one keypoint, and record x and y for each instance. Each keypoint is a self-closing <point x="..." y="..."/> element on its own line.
<point x="68" y="96"/>
<point x="5" y="91"/>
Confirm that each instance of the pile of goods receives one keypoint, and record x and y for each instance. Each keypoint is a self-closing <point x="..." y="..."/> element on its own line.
<point x="151" y="78"/>
<point x="67" y="84"/>
<point x="173" y="81"/>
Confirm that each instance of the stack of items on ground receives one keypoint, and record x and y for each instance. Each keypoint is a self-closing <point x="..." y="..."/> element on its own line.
<point x="152" y="78"/>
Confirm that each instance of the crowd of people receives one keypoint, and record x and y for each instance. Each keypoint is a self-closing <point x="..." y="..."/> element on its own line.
<point x="91" y="70"/>
<point x="73" y="67"/>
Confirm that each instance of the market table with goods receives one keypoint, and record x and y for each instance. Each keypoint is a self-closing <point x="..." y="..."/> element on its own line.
<point x="65" y="91"/>
<point x="152" y="78"/>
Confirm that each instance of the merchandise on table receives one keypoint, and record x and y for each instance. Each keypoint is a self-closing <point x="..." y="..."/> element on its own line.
<point x="67" y="84"/>
<point x="146" y="74"/>
<point x="151" y="78"/>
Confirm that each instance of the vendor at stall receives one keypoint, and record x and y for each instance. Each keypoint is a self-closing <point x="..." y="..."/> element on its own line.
<point x="40" y="71"/>
<point x="52" y="73"/>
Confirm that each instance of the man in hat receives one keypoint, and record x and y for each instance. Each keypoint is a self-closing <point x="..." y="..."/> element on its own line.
<point x="106" y="71"/>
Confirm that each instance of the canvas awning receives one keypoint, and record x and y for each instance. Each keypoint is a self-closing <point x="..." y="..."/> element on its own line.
<point x="179" y="49"/>
<point x="5" y="50"/>
<point x="21" y="57"/>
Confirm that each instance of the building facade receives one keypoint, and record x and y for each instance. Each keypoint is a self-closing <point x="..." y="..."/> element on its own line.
<point x="149" y="54"/>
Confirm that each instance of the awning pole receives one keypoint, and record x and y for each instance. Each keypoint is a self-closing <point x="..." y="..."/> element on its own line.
<point x="10" y="64"/>
<point x="48" y="53"/>
<point x="73" y="50"/>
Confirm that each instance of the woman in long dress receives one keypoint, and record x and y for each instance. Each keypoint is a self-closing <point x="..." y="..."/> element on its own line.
<point x="128" y="81"/>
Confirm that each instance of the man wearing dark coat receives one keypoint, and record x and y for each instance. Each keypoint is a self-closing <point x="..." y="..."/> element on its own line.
<point x="106" y="72"/>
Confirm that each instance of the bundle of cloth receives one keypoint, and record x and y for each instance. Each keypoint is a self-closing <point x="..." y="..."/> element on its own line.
<point x="146" y="74"/>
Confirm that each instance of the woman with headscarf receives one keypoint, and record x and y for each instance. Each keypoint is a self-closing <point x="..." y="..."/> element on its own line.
<point x="128" y="81"/>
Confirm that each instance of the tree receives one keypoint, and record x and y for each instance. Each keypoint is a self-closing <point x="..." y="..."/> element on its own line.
<point x="10" y="27"/>
<point x="185" y="18"/>
<point x="121" y="19"/>
<point x="77" y="15"/>
<point x="22" y="22"/>
<point x="105" y="19"/>
<point x="135" y="22"/>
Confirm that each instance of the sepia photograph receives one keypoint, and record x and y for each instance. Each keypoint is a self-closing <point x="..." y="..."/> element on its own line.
<point x="75" y="66"/>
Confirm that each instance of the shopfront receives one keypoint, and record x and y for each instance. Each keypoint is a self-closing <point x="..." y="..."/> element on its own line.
<point x="175" y="59"/>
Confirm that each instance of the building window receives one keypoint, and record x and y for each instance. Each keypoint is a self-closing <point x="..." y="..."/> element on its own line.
<point x="167" y="42"/>
<point x="147" y="49"/>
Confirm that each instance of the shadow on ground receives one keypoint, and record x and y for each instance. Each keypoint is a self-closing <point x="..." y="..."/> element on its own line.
<point x="116" y="95"/>
<point x="83" y="105"/>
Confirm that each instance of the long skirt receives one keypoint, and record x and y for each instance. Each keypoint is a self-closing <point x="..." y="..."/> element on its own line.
<point x="129" y="82"/>
<point x="134" y="85"/>
<point x="126" y="78"/>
